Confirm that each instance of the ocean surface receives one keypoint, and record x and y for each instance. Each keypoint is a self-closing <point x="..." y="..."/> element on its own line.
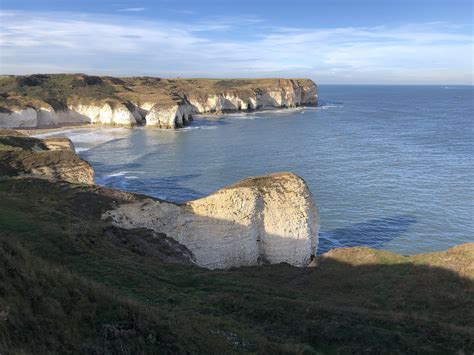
<point x="390" y="167"/>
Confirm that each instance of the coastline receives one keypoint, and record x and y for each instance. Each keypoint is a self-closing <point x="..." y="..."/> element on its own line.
<point x="211" y="116"/>
<point x="26" y="101"/>
<point x="78" y="246"/>
<point x="51" y="129"/>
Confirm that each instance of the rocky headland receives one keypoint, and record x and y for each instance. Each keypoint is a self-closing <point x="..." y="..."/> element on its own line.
<point x="87" y="269"/>
<point x="267" y="219"/>
<point x="47" y="100"/>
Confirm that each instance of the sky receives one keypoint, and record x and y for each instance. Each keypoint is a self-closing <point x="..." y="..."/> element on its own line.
<point x="329" y="41"/>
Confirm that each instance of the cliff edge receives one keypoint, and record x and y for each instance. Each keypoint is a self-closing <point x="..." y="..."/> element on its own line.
<point x="44" y="100"/>
<point x="266" y="219"/>
<point x="52" y="158"/>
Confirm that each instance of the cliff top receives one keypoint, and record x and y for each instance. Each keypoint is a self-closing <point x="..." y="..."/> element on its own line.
<point x="57" y="90"/>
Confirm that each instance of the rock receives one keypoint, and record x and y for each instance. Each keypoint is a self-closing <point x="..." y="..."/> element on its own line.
<point x="282" y="93"/>
<point x="58" y="143"/>
<point x="52" y="159"/>
<point x="165" y="103"/>
<point x="175" y="116"/>
<point x="11" y="133"/>
<point x="47" y="116"/>
<point x="60" y="165"/>
<point x="110" y="113"/>
<point x="19" y="118"/>
<point x="263" y="219"/>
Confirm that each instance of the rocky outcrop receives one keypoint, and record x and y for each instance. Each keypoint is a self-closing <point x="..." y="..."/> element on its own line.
<point x="58" y="143"/>
<point x="18" y="118"/>
<point x="52" y="159"/>
<point x="268" y="219"/>
<point x="107" y="113"/>
<point x="174" y="116"/>
<point x="27" y="101"/>
<point x="284" y="93"/>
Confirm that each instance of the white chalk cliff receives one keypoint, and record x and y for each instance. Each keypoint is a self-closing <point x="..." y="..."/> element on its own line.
<point x="174" y="116"/>
<point x="288" y="93"/>
<point x="19" y="118"/>
<point x="263" y="219"/>
<point x="163" y="103"/>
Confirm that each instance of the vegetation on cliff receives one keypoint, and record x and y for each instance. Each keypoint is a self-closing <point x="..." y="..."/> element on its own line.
<point x="71" y="282"/>
<point x="60" y="90"/>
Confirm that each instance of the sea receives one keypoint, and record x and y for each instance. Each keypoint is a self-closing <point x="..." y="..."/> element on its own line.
<point x="390" y="167"/>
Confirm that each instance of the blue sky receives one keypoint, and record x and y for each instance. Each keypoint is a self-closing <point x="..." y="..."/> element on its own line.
<point x="333" y="42"/>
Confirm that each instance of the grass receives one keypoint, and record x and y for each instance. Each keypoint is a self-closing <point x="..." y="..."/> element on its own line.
<point x="67" y="286"/>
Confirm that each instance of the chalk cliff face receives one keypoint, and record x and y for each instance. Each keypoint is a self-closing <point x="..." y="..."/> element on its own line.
<point x="174" y="116"/>
<point x="19" y="118"/>
<point x="106" y="113"/>
<point x="284" y="93"/>
<point x="28" y="101"/>
<point x="270" y="219"/>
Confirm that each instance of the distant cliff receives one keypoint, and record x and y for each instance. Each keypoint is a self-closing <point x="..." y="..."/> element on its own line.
<point x="47" y="100"/>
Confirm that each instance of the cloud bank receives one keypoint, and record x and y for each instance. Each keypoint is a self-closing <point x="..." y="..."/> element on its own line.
<point x="427" y="53"/>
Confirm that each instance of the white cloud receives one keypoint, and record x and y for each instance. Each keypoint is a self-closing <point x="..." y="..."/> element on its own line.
<point x="132" y="9"/>
<point x="234" y="47"/>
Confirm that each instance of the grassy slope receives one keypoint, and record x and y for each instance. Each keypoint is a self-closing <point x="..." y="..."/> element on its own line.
<point x="66" y="285"/>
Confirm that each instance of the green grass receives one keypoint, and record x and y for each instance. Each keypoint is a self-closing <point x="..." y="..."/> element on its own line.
<point x="68" y="287"/>
<point x="56" y="88"/>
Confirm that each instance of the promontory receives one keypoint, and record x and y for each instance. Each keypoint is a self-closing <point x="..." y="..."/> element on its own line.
<point x="46" y="100"/>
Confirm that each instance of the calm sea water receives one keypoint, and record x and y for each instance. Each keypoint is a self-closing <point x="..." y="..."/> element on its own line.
<point x="390" y="166"/>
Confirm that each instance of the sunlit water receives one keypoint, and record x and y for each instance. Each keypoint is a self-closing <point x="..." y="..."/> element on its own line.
<point x="390" y="166"/>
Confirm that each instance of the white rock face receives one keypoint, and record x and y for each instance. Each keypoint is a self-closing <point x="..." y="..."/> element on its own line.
<point x="81" y="113"/>
<point x="24" y="118"/>
<point x="290" y="93"/>
<point x="47" y="117"/>
<point x="169" y="117"/>
<point x="219" y="103"/>
<point x="105" y="114"/>
<point x="271" y="219"/>
<point x="279" y="93"/>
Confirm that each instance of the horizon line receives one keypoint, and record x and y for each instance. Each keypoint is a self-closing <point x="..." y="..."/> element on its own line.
<point x="242" y="78"/>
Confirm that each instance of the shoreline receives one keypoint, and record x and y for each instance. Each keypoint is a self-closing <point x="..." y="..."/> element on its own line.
<point x="56" y="128"/>
<point x="212" y="116"/>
